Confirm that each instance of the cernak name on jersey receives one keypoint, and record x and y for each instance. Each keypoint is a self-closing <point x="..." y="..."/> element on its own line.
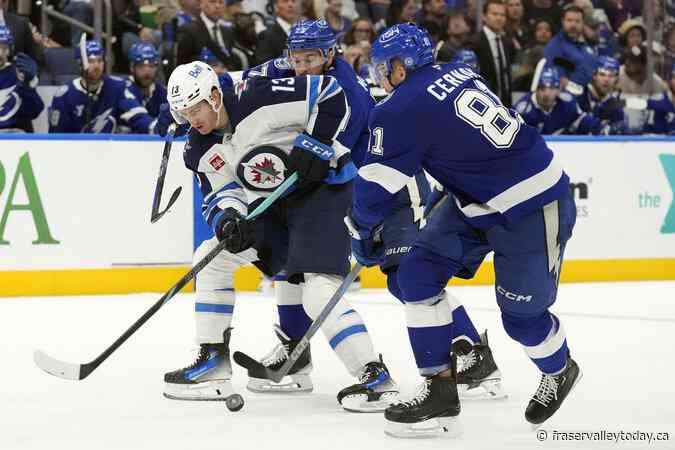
<point x="448" y="82"/>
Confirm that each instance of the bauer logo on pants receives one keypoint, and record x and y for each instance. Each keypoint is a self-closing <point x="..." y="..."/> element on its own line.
<point x="262" y="169"/>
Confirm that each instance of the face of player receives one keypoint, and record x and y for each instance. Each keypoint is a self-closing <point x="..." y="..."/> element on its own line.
<point x="214" y="9"/>
<point x="389" y="81"/>
<point x="604" y="82"/>
<point x="94" y="72"/>
<point x="546" y="96"/>
<point x="514" y="10"/>
<point x="309" y="62"/>
<point x="145" y="74"/>
<point x="287" y="10"/>
<point x="573" y="24"/>
<point x="495" y="17"/>
<point x="203" y="118"/>
<point x="543" y="33"/>
<point x="4" y="54"/>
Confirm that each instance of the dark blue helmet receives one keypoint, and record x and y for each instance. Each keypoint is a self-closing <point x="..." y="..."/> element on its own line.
<point x="311" y="34"/>
<point x="550" y="77"/>
<point x="406" y="42"/>
<point x="88" y="49"/>
<point x="6" y="36"/>
<point x="467" y="57"/>
<point x="608" y="64"/>
<point x="207" y="56"/>
<point x="143" y="52"/>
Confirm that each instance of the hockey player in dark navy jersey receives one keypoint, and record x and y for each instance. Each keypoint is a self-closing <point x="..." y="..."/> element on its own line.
<point x="149" y="92"/>
<point x="311" y="50"/>
<point x="601" y="98"/>
<point x="661" y="109"/>
<point x="507" y="195"/>
<point x="245" y="139"/>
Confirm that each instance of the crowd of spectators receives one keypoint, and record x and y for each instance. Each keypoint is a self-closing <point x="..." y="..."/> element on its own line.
<point x="595" y="51"/>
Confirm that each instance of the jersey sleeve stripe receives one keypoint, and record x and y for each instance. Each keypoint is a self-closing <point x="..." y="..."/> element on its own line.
<point x="312" y="93"/>
<point x="132" y="112"/>
<point x="387" y="177"/>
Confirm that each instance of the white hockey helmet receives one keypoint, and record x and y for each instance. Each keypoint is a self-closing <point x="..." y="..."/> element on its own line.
<point x="188" y="85"/>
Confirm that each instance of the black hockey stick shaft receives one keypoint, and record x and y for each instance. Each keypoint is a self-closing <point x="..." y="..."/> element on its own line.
<point x="156" y="214"/>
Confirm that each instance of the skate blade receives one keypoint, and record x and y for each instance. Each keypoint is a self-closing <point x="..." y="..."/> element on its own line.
<point x="359" y="402"/>
<point x="445" y="427"/>
<point x="214" y="390"/>
<point x="486" y="390"/>
<point x="290" y="384"/>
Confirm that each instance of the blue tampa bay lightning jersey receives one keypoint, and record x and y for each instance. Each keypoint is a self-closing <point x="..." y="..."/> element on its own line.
<point x="19" y="104"/>
<point x="661" y="119"/>
<point x="443" y="118"/>
<point x="566" y="117"/>
<point x="156" y="96"/>
<point x="266" y="117"/>
<point x="74" y="110"/>
<point x="608" y="110"/>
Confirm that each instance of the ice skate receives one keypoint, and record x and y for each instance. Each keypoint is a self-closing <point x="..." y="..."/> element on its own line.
<point x="478" y="377"/>
<point x="552" y="391"/>
<point x="375" y="391"/>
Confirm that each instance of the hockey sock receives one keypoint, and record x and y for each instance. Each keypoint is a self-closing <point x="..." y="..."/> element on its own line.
<point x="462" y="327"/>
<point x="543" y="338"/>
<point x="292" y="317"/>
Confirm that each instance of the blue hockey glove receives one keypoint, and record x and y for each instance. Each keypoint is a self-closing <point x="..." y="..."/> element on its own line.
<point x="434" y="200"/>
<point x="235" y="230"/>
<point x="26" y="68"/>
<point x="367" y="245"/>
<point x="310" y="158"/>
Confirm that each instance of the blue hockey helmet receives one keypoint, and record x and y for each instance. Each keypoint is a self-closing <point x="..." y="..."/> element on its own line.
<point x="467" y="57"/>
<point x="6" y="36"/>
<point x="207" y="56"/>
<point x="406" y="42"/>
<point x="608" y="64"/>
<point x="310" y="35"/>
<point x="550" y="77"/>
<point x="88" y="49"/>
<point x="143" y="52"/>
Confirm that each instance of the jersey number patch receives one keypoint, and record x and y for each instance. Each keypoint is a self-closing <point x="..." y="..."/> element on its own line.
<point x="482" y="112"/>
<point x="283" y="84"/>
<point x="378" y="137"/>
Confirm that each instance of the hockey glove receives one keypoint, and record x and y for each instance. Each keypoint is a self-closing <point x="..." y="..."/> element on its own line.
<point x="310" y="158"/>
<point x="26" y="68"/>
<point x="236" y="231"/>
<point x="367" y="245"/>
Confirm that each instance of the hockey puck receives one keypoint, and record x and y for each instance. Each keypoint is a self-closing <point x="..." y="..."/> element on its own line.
<point x="234" y="402"/>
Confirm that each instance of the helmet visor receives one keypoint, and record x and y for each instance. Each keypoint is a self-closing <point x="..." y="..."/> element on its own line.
<point x="378" y="72"/>
<point x="305" y="60"/>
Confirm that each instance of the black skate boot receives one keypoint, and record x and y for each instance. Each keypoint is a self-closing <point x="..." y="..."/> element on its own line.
<point x="208" y="378"/>
<point x="551" y="393"/>
<point x="297" y="380"/>
<point x="432" y="412"/>
<point x="477" y="374"/>
<point x="374" y="392"/>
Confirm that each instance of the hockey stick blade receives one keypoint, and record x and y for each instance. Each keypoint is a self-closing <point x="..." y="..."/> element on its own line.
<point x="158" y="215"/>
<point x="57" y="368"/>
<point x="255" y="367"/>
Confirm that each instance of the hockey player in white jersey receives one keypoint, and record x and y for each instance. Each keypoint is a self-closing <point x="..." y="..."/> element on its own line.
<point x="244" y="141"/>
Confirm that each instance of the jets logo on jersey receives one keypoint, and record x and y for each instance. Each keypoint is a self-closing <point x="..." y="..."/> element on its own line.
<point x="216" y="162"/>
<point x="262" y="169"/>
<point x="10" y="103"/>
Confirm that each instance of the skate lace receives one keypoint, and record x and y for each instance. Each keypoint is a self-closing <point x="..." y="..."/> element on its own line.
<point x="547" y="391"/>
<point x="203" y="356"/>
<point x="279" y="353"/>
<point x="466" y="362"/>
<point x="422" y="393"/>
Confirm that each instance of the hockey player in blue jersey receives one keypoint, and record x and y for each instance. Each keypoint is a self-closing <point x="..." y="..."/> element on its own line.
<point x="554" y="112"/>
<point x="311" y="50"/>
<point x="209" y="58"/>
<point x="468" y="57"/>
<point x="144" y="64"/>
<point x="19" y="101"/>
<point x="95" y="102"/>
<point x="508" y="195"/>
<point x="243" y="142"/>
<point x="601" y="98"/>
<point x="661" y="109"/>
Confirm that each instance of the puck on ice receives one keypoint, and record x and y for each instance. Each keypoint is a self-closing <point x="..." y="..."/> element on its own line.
<point x="234" y="402"/>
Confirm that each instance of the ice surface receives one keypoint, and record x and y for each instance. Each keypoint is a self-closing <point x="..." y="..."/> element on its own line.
<point x="622" y="335"/>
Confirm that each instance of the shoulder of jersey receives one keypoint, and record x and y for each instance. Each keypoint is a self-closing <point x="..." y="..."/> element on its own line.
<point x="566" y="97"/>
<point x="524" y="105"/>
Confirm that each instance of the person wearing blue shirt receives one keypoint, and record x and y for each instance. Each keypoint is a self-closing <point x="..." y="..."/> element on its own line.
<point x="144" y="61"/>
<point x="507" y="195"/>
<point x="19" y="101"/>
<point x="661" y="110"/>
<point x="551" y="111"/>
<point x="601" y="97"/>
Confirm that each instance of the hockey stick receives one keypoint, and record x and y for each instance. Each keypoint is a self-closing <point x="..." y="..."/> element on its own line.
<point x="70" y="371"/>
<point x="257" y="370"/>
<point x="156" y="214"/>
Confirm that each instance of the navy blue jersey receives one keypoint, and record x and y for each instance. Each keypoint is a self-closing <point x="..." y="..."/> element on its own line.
<point x="608" y="109"/>
<point x="661" y="119"/>
<point x="156" y="96"/>
<point x="443" y="118"/>
<point x="74" y="110"/>
<point x="266" y="117"/>
<point x="19" y="104"/>
<point x="566" y="117"/>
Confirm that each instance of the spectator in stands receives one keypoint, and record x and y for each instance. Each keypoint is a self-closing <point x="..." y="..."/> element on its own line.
<point x="618" y="11"/>
<point x="495" y="52"/>
<point x="308" y="10"/>
<point x="400" y="11"/>
<point x="80" y="10"/>
<point x="171" y="19"/>
<point x="632" y="33"/>
<point x="245" y="39"/>
<point x="633" y="74"/>
<point x="542" y="9"/>
<point x="457" y="37"/>
<point x="515" y="24"/>
<point x="669" y="53"/>
<point x="523" y="74"/>
<point x="96" y="103"/>
<point x="19" y="101"/>
<point x="361" y="31"/>
<point x="376" y="9"/>
<point x="272" y="41"/>
<point x="337" y="22"/>
<point x="21" y="34"/>
<point x="542" y="32"/>
<point x="597" y="30"/>
<point x="554" y="112"/>
<point x="432" y="17"/>
<point x="572" y="56"/>
<point x="661" y="107"/>
<point x="209" y="30"/>
<point x="128" y="26"/>
<point x="601" y="98"/>
<point x="144" y="64"/>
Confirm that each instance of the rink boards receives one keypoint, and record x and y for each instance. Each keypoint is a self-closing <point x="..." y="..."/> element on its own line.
<point x="75" y="214"/>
